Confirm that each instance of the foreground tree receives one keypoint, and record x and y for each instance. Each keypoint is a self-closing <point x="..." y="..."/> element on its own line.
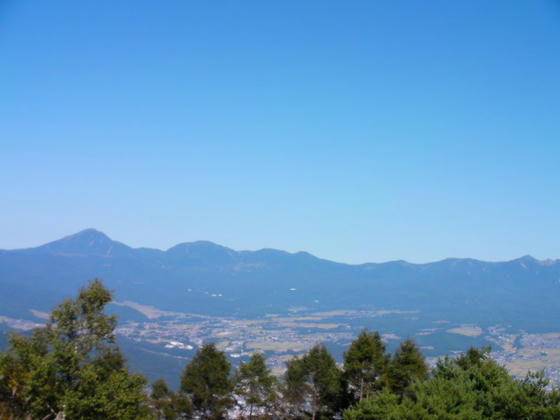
<point x="471" y="387"/>
<point x="206" y="380"/>
<point x="169" y="405"/>
<point x="71" y="368"/>
<point x="316" y="379"/>
<point x="295" y="388"/>
<point x="408" y="365"/>
<point x="365" y="363"/>
<point x="256" y="386"/>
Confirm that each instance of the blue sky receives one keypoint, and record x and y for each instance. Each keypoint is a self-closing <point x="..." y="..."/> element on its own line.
<point x="357" y="131"/>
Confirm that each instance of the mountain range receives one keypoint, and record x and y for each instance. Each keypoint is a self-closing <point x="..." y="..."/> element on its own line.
<point x="249" y="283"/>
<point x="200" y="291"/>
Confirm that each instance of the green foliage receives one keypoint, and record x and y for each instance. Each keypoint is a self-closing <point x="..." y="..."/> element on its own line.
<point x="314" y="378"/>
<point x="295" y="387"/>
<point x="72" y="367"/>
<point x="256" y="385"/>
<point x="383" y="405"/>
<point x="406" y="366"/>
<point x="365" y="363"/>
<point x="169" y="405"/>
<point x="206" y="380"/>
<point x="471" y="387"/>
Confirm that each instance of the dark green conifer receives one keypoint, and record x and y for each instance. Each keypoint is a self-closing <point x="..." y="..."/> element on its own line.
<point x="255" y="384"/>
<point x="315" y="378"/>
<point x="406" y="366"/>
<point x="365" y="362"/>
<point x="206" y="380"/>
<point x="169" y="405"/>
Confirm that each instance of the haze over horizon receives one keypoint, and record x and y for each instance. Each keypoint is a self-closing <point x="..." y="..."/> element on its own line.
<point x="361" y="132"/>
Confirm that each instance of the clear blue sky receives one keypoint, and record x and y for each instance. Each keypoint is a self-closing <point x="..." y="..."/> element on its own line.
<point x="357" y="131"/>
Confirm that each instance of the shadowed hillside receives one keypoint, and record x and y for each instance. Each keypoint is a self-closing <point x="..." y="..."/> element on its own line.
<point x="248" y="283"/>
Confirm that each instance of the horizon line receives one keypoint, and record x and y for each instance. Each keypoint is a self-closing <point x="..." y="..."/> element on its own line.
<point x="97" y="231"/>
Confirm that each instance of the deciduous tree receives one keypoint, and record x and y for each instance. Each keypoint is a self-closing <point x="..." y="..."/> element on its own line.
<point x="73" y="367"/>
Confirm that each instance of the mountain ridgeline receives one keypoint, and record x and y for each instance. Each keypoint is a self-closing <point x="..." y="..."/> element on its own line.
<point x="202" y="277"/>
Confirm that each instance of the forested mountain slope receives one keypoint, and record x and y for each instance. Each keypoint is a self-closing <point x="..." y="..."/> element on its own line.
<point x="248" y="283"/>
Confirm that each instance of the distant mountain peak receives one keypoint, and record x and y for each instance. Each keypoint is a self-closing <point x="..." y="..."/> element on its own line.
<point x="198" y="245"/>
<point x="528" y="259"/>
<point x="90" y="236"/>
<point x="202" y="251"/>
<point x="86" y="242"/>
<point x="90" y="233"/>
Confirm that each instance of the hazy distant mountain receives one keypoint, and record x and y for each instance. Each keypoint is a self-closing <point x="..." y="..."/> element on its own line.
<point x="86" y="242"/>
<point x="185" y="276"/>
<point x="425" y="301"/>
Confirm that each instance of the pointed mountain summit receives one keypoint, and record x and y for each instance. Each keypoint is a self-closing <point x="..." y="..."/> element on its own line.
<point x="86" y="242"/>
<point x="526" y="259"/>
<point x="530" y="261"/>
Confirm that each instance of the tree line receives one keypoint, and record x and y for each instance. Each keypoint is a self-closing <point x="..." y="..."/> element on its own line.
<point x="73" y="369"/>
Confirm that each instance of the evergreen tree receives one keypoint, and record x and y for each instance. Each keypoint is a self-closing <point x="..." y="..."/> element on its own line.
<point x="168" y="405"/>
<point x="206" y="380"/>
<point x="473" y="357"/>
<point x="72" y="368"/>
<point x="256" y="385"/>
<point x="365" y="363"/>
<point x="315" y="377"/>
<point x="407" y="365"/>
<point x="295" y="388"/>
<point x="470" y="387"/>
